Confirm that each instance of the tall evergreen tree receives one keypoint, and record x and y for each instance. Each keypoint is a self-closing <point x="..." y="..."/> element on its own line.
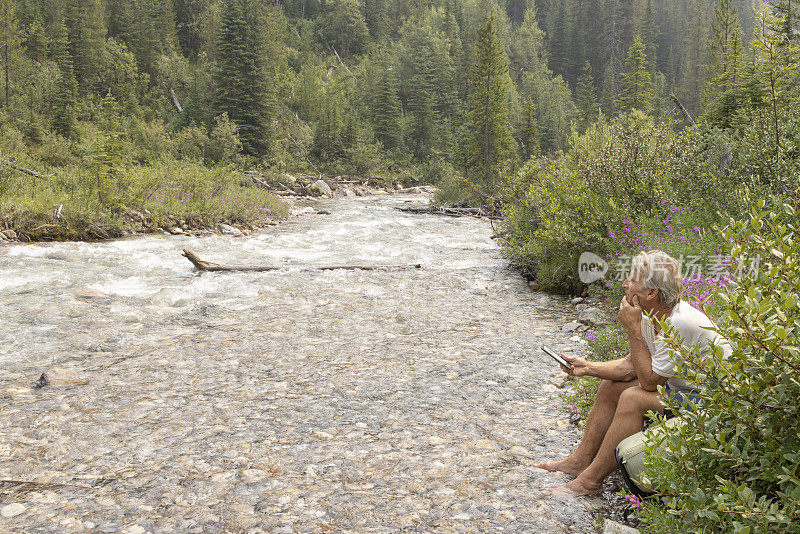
<point x="243" y="89"/>
<point x="387" y="110"/>
<point x="87" y="38"/>
<point x="788" y="12"/>
<point x="725" y="51"/>
<point x="491" y="148"/>
<point x="585" y="99"/>
<point x="637" y="87"/>
<point x="109" y="152"/>
<point x="530" y="130"/>
<point x="67" y="87"/>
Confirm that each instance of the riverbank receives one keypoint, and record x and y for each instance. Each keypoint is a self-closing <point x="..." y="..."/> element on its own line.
<point x="199" y="202"/>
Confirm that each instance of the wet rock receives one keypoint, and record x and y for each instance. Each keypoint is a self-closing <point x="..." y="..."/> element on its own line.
<point x="227" y="229"/>
<point x="59" y="377"/>
<point x="12" y="510"/>
<point x="571" y="327"/>
<point x="9" y="234"/>
<point x="92" y="295"/>
<point x="346" y="192"/>
<point x="321" y="188"/>
<point x="323" y="212"/>
<point x="177" y="230"/>
<point x="518" y="452"/>
<point x="593" y="317"/>
<point x="612" y="527"/>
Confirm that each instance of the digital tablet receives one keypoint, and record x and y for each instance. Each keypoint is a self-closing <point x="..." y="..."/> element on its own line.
<point x="556" y="357"/>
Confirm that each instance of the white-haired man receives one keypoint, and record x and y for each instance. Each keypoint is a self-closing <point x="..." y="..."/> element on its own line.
<point x="629" y="389"/>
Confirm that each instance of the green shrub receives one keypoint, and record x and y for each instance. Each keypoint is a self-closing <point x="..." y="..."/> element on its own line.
<point x="734" y="466"/>
<point x="223" y="144"/>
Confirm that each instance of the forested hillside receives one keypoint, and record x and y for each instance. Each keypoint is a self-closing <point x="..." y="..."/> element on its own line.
<point x="347" y="86"/>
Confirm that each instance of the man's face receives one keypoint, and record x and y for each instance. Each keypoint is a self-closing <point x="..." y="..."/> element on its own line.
<point x="633" y="287"/>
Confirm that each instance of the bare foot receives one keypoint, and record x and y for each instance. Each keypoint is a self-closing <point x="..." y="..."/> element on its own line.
<point x="567" y="466"/>
<point x="576" y="488"/>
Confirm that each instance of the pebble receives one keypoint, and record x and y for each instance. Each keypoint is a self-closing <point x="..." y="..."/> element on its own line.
<point x="12" y="510"/>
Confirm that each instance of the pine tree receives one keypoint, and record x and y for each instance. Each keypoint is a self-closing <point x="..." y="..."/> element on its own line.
<point x="491" y="147"/>
<point x="725" y="51"/>
<point x="387" y="110"/>
<point x="585" y="99"/>
<point x="637" y="87"/>
<point x="241" y="79"/>
<point x="109" y="152"/>
<point x="788" y="12"/>
<point x="694" y="57"/>
<point x="67" y="87"/>
<point x="87" y="37"/>
<point x="558" y="38"/>
<point x="530" y="130"/>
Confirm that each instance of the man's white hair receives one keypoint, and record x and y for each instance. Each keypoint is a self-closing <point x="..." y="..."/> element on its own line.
<point x="655" y="269"/>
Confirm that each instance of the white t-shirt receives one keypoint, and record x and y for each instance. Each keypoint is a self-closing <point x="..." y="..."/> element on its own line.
<point x="688" y="322"/>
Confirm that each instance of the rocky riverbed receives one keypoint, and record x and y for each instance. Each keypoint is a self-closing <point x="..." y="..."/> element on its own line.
<point x="289" y="401"/>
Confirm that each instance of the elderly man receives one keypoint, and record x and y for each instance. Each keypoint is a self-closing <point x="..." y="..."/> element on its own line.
<point x="629" y="389"/>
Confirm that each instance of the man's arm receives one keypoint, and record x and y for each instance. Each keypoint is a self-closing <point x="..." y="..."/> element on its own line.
<point x="642" y="362"/>
<point x="640" y="358"/>
<point x="621" y="369"/>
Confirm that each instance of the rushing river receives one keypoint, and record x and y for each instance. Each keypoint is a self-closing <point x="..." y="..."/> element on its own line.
<point x="285" y="401"/>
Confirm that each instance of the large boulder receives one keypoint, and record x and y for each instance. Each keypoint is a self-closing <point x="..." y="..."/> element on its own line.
<point x="321" y="188"/>
<point x="227" y="229"/>
<point x="593" y="317"/>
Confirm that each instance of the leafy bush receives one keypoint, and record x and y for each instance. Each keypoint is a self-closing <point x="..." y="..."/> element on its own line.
<point x="733" y="467"/>
<point x="223" y="144"/>
<point x="625" y="185"/>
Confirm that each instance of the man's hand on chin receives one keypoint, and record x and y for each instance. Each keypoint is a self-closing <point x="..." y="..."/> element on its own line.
<point x="630" y="315"/>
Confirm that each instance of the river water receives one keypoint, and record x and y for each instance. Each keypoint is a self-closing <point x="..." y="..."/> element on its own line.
<point x="285" y="401"/>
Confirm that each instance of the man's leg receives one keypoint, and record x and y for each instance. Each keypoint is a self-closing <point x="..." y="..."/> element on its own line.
<point x="633" y="404"/>
<point x="600" y="417"/>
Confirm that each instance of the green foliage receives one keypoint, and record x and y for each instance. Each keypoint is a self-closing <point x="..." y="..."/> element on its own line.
<point x="67" y="88"/>
<point x="343" y="27"/>
<point x="491" y="151"/>
<point x="629" y="169"/>
<point x="637" y="86"/>
<point x="223" y="142"/>
<point x="585" y="99"/>
<point x="243" y="90"/>
<point x="733" y="466"/>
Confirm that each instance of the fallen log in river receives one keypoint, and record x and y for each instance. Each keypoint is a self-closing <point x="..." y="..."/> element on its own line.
<point x="201" y="265"/>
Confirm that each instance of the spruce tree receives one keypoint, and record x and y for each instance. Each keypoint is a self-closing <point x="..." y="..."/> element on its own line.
<point x="725" y="51"/>
<point x="585" y="99"/>
<point x="387" y="110"/>
<point x="788" y="12"/>
<point x="109" y="152"/>
<point x="87" y="38"/>
<point x="491" y="148"/>
<point x="243" y="89"/>
<point x="530" y="130"/>
<point x="637" y="87"/>
<point x="67" y="86"/>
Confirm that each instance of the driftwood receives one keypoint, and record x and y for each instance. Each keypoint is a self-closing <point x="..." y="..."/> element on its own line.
<point x="201" y="265"/>
<point x="24" y="170"/>
<point x="683" y="109"/>
<point x="442" y="210"/>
